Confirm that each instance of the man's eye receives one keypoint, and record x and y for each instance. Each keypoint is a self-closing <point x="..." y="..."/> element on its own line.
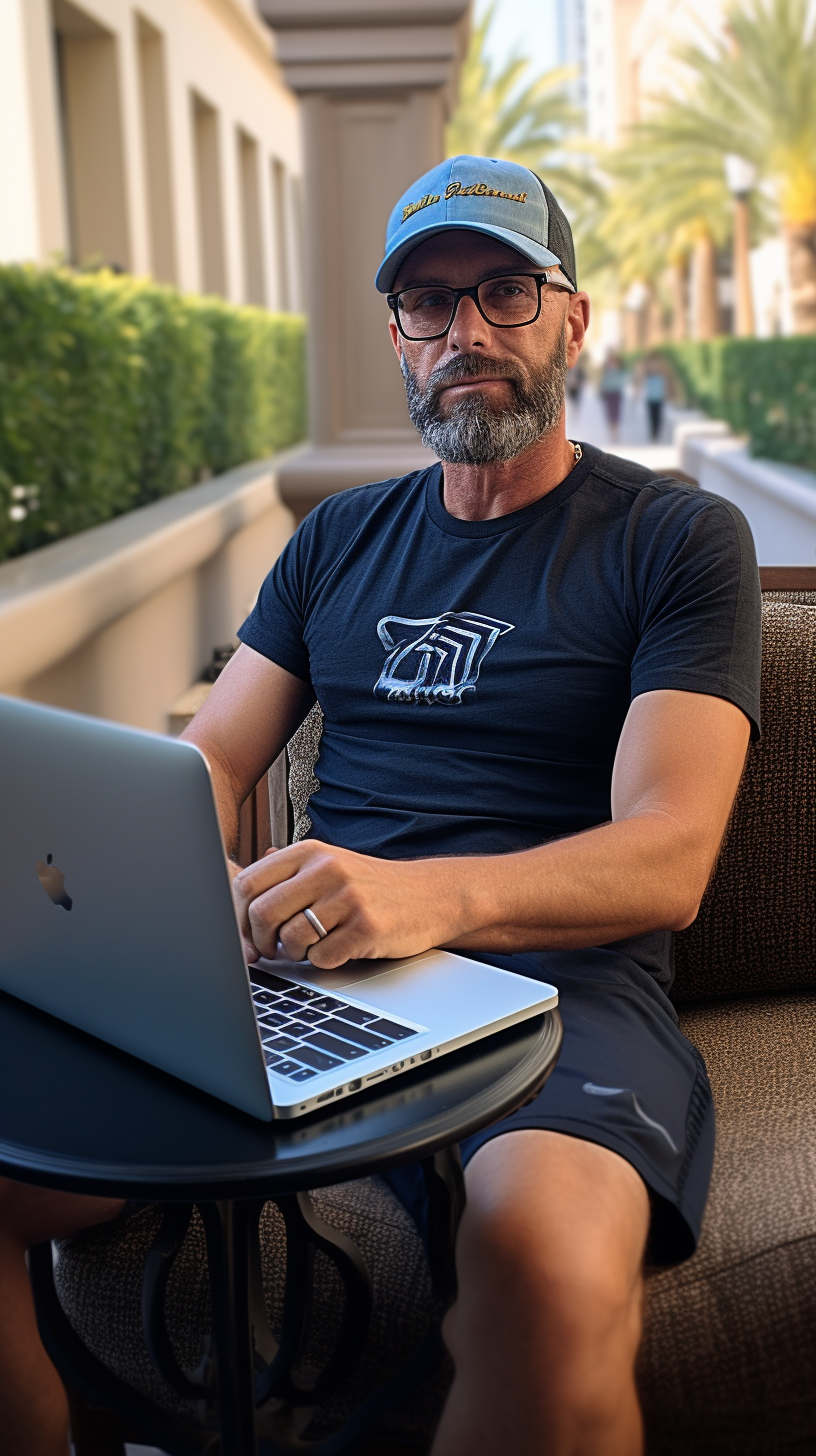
<point x="509" y="288"/>
<point x="430" y="300"/>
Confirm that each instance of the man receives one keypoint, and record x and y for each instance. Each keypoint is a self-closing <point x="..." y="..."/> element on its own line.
<point x="539" y="671"/>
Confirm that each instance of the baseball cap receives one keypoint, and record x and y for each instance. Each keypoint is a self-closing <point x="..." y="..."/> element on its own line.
<point x="501" y="199"/>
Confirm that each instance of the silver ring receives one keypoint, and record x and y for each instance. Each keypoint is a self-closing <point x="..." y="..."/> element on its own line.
<point x="315" y="923"/>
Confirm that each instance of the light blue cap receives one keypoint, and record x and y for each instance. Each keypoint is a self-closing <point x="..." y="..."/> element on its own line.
<point x="501" y="199"/>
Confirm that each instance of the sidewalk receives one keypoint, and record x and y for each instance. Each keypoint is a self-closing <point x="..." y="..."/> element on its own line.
<point x="588" y="422"/>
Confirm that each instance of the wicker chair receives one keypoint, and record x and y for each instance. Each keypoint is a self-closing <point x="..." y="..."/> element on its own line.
<point x="728" y="1362"/>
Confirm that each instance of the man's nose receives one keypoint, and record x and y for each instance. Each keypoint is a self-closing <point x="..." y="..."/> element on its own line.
<point x="468" y="330"/>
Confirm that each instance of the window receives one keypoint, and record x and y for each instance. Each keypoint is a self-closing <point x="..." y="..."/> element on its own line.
<point x="88" y="72"/>
<point x="281" y="234"/>
<point x="208" y="190"/>
<point x="252" y="235"/>
<point x="156" y="151"/>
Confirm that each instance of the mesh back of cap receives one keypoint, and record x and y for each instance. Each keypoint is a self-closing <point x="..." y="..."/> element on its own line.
<point x="560" y="239"/>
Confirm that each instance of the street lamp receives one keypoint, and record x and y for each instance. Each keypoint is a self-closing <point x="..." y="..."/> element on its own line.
<point x="741" y="176"/>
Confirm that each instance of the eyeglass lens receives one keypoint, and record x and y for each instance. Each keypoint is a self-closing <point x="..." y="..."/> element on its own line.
<point x="427" y="311"/>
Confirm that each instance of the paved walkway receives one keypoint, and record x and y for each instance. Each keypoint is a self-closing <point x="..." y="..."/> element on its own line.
<point x="588" y="422"/>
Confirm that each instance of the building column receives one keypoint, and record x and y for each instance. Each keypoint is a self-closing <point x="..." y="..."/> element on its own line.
<point x="32" y="211"/>
<point x="375" y="98"/>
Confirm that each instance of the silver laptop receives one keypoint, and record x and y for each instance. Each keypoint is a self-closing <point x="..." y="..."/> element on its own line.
<point x="116" y="915"/>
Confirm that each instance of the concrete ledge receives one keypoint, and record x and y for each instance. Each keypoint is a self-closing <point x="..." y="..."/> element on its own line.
<point x="52" y="600"/>
<point x="307" y="477"/>
<point x="779" y="501"/>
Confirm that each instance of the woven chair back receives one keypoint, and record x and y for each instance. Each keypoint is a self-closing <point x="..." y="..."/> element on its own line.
<point x="756" y="930"/>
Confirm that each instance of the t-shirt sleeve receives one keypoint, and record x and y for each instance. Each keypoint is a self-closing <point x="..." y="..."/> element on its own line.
<point x="275" y="626"/>
<point x="699" y="606"/>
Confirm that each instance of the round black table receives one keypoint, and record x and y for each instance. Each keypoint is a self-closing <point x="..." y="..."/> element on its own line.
<point x="79" y="1115"/>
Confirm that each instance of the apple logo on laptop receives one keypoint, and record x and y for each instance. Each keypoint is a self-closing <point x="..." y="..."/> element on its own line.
<point x="53" y="882"/>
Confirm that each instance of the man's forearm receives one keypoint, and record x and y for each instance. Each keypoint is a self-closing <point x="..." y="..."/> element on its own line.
<point x="676" y="773"/>
<point x="227" y="801"/>
<point x="639" y="874"/>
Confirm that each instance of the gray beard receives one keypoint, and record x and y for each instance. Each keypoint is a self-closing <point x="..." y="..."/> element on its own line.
<point x="473" y="433"/>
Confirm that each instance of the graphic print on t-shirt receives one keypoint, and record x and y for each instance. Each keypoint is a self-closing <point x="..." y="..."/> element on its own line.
<point x="435" y="659"/>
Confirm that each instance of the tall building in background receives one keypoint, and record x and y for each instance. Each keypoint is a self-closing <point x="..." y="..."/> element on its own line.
<point x="630" y="55"/>
<point x="611" y="73"/>
<point x="570" y="20"/>
<point x="600" y="87"/>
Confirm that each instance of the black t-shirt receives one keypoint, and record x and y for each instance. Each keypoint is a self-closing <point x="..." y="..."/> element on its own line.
<point x="475" y="675"/>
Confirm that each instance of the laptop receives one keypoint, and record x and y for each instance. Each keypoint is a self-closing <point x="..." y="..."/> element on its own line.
<point x="117" y="916"/>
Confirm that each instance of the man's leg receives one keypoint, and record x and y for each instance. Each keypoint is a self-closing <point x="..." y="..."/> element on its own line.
<point x="33" y="1409"/>
<point x="547" y="1323"/>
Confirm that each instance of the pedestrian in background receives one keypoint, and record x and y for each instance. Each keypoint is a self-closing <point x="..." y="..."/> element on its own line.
<point x="654" y="393"/>
<point x="576" y="379"/>
<point x="613" y="380"/>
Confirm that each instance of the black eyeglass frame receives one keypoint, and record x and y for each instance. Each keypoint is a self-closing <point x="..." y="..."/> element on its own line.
<point x="392" y="299"/>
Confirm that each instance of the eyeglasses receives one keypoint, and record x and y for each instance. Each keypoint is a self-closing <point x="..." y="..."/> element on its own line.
<point x="508" y="302"/>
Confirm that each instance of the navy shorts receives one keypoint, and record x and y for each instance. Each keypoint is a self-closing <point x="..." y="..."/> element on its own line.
<point x="626" y="1078"/>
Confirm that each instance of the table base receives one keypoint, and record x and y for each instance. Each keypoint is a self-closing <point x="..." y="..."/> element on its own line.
<point x="248" y="1399"/>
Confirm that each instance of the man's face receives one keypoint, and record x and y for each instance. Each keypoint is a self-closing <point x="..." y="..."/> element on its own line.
<point x="483" y="394"/>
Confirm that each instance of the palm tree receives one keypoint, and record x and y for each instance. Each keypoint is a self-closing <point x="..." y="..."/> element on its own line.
<point x="753" y="92"/>
<point x="501" y="114"/>
<point x="668" y="204"/>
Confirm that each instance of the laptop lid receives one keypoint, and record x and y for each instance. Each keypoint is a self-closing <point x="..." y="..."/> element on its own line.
<point x="115" y="903"/>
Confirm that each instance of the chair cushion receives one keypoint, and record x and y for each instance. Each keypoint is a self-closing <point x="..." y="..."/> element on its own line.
<point x="303" y="748"/>
<point x="756" y="930"/>
<point x="728" y="1362"/>
<point x="98" y="1277"/>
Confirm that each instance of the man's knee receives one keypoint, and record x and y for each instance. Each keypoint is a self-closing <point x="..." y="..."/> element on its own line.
<point x="551" y="1247"/>
<point x="31" y="1215"/>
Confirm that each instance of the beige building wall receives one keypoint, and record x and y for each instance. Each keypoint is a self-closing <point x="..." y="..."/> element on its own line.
<point x="120" y="620"/>
<point x="159" y="137"/>
<point x="663" y="28"/>
<point x="631" y="56"/>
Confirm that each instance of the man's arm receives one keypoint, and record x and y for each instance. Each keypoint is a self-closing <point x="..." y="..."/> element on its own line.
<point x="676" y="773"/>
<point x="252" y="711"/>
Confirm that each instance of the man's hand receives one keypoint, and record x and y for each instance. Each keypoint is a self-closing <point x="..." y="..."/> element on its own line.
<point x="370" y="907"/>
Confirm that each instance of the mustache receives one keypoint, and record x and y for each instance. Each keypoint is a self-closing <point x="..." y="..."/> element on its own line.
<point x="471" y="366"/>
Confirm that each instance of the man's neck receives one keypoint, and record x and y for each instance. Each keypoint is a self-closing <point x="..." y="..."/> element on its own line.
<point x="482" y="492"/>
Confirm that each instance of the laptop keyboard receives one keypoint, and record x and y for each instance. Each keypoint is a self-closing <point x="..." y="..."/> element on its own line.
<point x="304" y="1032"/>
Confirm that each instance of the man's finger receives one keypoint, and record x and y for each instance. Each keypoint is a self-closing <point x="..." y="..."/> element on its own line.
<point x="297" y="936"/>
<point x="275" y="866"/>
<point x="252" y="881"/>
<point x="341" y="945"/>
<point x="251" y="952"/>
<point x="273" y="908"/>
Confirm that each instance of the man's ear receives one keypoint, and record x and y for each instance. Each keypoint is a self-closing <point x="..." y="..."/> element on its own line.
<point x="396" y="337"/>
<point x="577" y="323"/>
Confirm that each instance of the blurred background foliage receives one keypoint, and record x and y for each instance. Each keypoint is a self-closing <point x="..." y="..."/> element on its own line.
<point x="654" y="217"/>
<point x="658" y="202"/>
<point x="502" y="112"/>
<point x="764" y="388"/>
<point x="115" y="392"/>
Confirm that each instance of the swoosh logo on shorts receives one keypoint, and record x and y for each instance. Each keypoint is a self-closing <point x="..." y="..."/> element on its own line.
<point x="595" y="1091"/>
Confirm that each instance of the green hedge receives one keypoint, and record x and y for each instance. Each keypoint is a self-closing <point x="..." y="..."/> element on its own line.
<point x="764" y="388"/>
<point x="114" y="392"/>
